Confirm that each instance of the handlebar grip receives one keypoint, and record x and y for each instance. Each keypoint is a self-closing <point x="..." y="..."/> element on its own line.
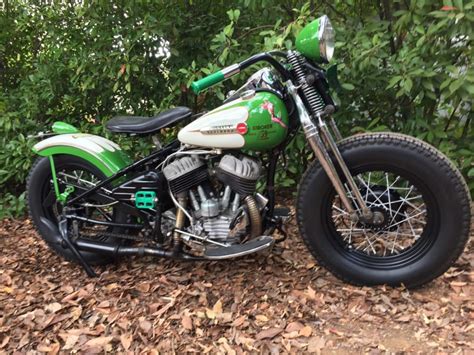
<point x="215" y="78"/>
<point x="208" y="81"/>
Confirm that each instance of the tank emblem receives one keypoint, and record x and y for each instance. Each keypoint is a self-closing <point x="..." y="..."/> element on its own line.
<point x="267" y="105"/>
<point x="242" y="128"/>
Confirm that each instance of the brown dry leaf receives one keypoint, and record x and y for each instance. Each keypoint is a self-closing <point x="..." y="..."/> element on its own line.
<point x="126" y="340"/>
<point x="217" y="308"/>
<point x="210" y="313"/>
<point x="291" y="335"/>
<point x="143" y="287"/>
<point x="98" y="342"/>
<point x="306" y="331"/>
<point x="316" y="344"/>
<point x="239" y="321"/>
<point x="145" y="325"/>
<point x="4" y="342"/>
<point x="311" y="293"/>
<point x="71" y="340"/>
<point x="53" y="307"/>
<point x="187" y="322"/>
<point x="293" y="326"/>
<point x="261" y="318"/>
<point x="104" y="304"/>
<point x="268" y="333"/>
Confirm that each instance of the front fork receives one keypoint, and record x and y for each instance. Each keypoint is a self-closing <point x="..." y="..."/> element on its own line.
<point x="312" y="133"/>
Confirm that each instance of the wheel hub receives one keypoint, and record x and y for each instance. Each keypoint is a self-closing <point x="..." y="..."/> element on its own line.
<point x="386" y="207"/>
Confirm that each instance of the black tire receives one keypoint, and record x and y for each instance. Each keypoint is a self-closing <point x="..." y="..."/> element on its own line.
<point x="447" y="204"/>
<point x="39" y="185"/>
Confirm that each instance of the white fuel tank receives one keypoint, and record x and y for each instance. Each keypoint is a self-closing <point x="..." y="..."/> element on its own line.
<point x="221" y="128"/>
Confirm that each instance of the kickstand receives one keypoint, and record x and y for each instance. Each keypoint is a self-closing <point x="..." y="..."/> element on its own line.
<point x="64" y="234"/>
<point x="282" y="229"/>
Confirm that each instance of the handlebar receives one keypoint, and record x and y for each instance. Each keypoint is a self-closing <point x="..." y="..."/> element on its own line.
<point x="223" y="74"/>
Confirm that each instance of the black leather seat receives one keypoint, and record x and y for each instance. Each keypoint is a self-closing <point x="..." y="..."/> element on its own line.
<point x="147" y="125"/>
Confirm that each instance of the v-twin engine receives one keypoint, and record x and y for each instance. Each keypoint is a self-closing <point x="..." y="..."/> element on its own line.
<point x="224" y="211"/>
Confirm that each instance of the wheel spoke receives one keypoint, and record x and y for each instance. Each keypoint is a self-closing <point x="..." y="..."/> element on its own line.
<point x="389" y="194"/>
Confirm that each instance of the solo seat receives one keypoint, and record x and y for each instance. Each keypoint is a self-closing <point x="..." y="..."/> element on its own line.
<point x="147" y="125"/>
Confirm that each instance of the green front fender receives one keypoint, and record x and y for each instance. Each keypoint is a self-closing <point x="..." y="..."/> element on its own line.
<point x="106" y="155"/>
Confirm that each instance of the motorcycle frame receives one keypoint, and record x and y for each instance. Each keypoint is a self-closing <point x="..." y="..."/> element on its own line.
<point x="300" y="114"/>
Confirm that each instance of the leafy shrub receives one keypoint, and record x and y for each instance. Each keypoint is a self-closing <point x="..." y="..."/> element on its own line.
<point x="406" y="66"/>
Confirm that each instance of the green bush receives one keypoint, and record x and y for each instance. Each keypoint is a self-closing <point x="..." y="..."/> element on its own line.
<point x="406" y="66"/>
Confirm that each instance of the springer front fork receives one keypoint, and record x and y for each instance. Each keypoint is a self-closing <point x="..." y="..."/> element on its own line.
<point x="313" y="134"/>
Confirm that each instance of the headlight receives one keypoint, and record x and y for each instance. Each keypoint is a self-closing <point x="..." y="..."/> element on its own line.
<point x="316" y="40"/>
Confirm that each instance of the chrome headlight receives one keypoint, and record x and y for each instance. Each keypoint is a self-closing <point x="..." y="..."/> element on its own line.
<point x="326" y="37"/>
<point x="316" y="40"/>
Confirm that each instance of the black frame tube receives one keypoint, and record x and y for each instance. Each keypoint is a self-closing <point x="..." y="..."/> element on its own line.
<point x="105" y="223"/>
<point x="156" y="155"/>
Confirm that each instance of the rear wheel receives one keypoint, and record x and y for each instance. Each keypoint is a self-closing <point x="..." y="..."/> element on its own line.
<point x="421" y="203"/>
<point x="42" y="203"/>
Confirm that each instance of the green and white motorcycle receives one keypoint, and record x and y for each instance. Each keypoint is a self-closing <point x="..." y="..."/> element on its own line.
<point x="380" y="208"/>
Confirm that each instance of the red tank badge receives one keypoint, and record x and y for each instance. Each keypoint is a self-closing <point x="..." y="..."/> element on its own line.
<point x="242" y="128"/>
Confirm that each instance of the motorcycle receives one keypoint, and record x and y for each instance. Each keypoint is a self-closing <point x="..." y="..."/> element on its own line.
<point x="378" y="208"/>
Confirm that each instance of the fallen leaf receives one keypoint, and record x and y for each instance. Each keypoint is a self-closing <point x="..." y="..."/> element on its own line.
<point x="239" y="321"/>
<point x="145" y="325"/>
<point x="306" y="331"/>
<point x="4" y="342"/>
<point x="53" y="307"/>
<point x="187" y="322"/>
<point x="71" y="340"/>
<point x="268" y="333"/>
<point x="98" y="342"/>
<point x="126" y="340"/>
<point x="143" y="287"/>
<point x="293" y="326"/>
<point x="217" y="308"/>
<point x="316" y="344"/>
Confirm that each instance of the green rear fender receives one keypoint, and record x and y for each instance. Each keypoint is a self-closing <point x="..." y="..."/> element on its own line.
<point x="100" y="152"/>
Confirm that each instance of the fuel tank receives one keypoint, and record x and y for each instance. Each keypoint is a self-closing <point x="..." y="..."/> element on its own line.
<point x="257" y="121"/>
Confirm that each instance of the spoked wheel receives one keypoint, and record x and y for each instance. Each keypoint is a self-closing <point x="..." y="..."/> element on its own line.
<point x="76" y="174"/>
<point x="421" y="209"/>
<point x="402" y="226"/>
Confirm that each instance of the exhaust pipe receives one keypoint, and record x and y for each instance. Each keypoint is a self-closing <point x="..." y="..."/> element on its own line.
<point x="51" y="232"/>
<point x="118" y="250"/>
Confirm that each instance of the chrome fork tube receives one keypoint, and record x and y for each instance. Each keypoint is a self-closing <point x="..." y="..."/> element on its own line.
<point x="366" y="212"/>
<point x="335" y="130"/>
<point x="312" y="135"/>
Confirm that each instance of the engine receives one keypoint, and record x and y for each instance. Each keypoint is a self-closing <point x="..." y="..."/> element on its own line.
<point x="225" y="211"/>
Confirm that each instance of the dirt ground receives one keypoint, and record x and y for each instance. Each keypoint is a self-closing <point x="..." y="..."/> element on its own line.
<point x="271" y="303"/>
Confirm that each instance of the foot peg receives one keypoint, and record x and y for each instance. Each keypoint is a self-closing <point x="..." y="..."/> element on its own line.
<point x="233" y="251"/>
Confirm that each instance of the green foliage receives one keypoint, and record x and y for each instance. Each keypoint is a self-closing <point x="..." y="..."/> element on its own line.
<point x="405" y="66"/>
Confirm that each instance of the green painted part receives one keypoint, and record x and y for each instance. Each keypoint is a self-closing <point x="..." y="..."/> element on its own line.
<point x="145" y="199"/>
<point x="64" y="196"/>
<point x="60" y="127"/>
<point x="108" y="162"/>
<point x="307" y="41"/>
<point x="55" y="180"/>
<point x="208" y="81"/>
<point x="267" y="121"/>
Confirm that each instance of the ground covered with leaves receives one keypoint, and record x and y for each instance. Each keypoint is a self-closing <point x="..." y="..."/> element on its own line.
<point x="278" y="302"/>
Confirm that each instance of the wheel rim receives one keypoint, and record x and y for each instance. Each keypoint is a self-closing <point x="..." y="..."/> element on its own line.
<point x="409" y="214"/>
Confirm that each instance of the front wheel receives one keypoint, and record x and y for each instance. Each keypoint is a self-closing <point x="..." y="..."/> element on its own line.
<point x="422" y="205"/>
